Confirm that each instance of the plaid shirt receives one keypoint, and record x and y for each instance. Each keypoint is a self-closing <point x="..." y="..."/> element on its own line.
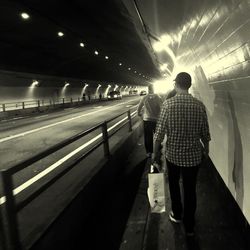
<point x="183" y="119"/>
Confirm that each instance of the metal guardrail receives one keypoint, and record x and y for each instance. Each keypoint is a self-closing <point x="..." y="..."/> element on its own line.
<point x="10" y="239"/>
<point x="10" y="106"/>
<point x="42" y="103"/>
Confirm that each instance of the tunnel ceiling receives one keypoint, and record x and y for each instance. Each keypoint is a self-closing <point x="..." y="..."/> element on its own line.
<point x="33" y="45"/>
<point x="124" y="30"/>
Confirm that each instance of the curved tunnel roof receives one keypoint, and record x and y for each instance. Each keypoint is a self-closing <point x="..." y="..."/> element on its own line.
<point x="120" y="31"/>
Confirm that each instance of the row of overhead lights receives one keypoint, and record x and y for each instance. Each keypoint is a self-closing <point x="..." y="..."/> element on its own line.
<point x="26" y="16"/>
<point x="35" y="83"/>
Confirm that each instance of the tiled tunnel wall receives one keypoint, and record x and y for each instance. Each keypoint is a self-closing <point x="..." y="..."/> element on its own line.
<point x="215" y="48"/>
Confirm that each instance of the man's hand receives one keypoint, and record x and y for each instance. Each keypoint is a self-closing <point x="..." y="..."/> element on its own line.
<point x="156" y="158"/>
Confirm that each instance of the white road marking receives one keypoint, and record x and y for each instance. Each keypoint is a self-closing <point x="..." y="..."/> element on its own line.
<point x="58" y="163"/>
<point x="68" y="109"/>
<point x="17" y="118"/>
<point x="41" y="116"/>
<point x="55" y="124"/>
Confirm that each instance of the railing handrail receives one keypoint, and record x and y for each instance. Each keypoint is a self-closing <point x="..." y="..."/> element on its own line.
<point x="22" y="165"/>
<point x="52" y="102"/>
<point x="93" y="97"/>
<point x="12" y="233"/>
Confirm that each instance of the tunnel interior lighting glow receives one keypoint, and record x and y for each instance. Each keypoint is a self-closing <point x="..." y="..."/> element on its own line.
<point x="97" y="89"/>
<point x="31" y="89"/>
<point x="166" y="40"/>
<point x="106" y="57"/>
<point x="120" y="64"/>
<point x="163" y="86"/>
<point x="163" y="45"/>
<point x="84" y="89"/>
<point x="35" y="83"/>
<point x="135" y="71"/>
<point x="158" y="46"/>
<point x="82" y="44"/>
<point x="60" y="34"/>
<point x="107" y="90"/>
<point x="163" y="67"/>
<point x="64" y="89"/>
<point x="129" y="68"/>
<point x="25" y="15"/>
<point x="96" y="52"/>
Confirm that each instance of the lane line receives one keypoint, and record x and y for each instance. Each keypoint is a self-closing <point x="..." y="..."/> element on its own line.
<point x="55" y="124"/>
<point x="41" y="116"/>
<point x="59" y="162"/>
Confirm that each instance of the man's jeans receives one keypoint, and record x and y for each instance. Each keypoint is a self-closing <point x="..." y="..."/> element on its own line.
<point x="189" y="178"/>
<point x="149" y="129"/>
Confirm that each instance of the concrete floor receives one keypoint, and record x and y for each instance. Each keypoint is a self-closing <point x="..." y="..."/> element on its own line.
<point x="219" y="222"/>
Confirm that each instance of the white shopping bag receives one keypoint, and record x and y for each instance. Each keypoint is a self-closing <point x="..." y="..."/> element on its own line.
<point x="157" y="192"/>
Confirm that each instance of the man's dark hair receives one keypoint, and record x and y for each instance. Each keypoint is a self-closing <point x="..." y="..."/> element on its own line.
<point x="183" y="80"/>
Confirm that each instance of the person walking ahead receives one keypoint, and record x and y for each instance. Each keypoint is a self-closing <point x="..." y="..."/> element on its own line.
<point x="149" y="109"/>
<point x="183" y="119"/>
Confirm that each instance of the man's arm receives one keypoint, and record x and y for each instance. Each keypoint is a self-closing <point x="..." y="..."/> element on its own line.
<point x="205" y="135"/>
<point x="139" y="109"/>
<point x="205" y="147"/>
<point x="157" y="152"/>
<point x="159" y="134"/>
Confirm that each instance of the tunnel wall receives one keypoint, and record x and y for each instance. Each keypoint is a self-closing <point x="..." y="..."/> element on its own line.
<point x="15" y="87"/>
<point x="215" y="48"/>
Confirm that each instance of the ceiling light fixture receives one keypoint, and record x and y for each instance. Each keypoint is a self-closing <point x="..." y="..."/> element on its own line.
<point x="60" y="34"/>
<point x="106" y="57"/>
<point x="82" y="44"/>
<point x="96" y="52"/>
<point x="25" y="15"/>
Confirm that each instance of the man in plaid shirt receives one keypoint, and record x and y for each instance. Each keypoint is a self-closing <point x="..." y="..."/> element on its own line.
<point x="183" y="120"/>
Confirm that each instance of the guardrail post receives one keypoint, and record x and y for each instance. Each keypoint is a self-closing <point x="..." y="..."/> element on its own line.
<point x="2" y="232"/>
<point x="38" y="103"/>
<point x="71" y="100"/>
<point x="105" y="139"/>
<point x="129" y="121"/>
<point x="63" y="101"/>
<point x="3" y="107"/>
<point x="23" y="105"/>
<point x="13" y="242"/>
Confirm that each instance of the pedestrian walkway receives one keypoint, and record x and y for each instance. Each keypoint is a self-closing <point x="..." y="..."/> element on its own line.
<point x="219" y="222"/>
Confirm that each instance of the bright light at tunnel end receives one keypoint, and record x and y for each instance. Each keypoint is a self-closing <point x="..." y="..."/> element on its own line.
<point x="163" y="86"/>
